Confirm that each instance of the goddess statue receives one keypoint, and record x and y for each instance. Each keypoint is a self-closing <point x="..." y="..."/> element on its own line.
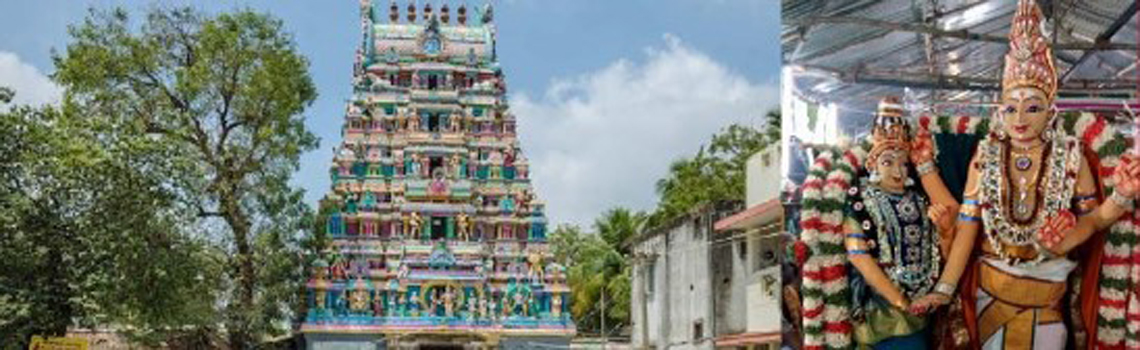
<point x="1031" y="198"/>
<point x="890" y="240"/>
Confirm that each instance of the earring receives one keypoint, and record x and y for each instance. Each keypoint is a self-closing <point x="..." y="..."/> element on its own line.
<point x="874" y="178"/>
<point x="909" y="182"/>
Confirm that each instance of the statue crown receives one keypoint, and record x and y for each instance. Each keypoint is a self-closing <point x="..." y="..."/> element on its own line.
<point x="1029" y="62"/>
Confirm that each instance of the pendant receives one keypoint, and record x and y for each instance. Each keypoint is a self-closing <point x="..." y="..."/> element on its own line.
<point x="1022" y="209"/>
<point x="1023" y="162"/>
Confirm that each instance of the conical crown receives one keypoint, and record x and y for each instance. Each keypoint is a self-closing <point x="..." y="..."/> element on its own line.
<point x="1029" y="62"/>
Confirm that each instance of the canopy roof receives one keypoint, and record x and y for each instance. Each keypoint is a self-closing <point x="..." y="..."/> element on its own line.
<point x="853" y="52"/>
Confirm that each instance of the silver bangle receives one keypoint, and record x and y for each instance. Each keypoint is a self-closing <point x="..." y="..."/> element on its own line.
<point x="945" y="288"/>
<point x="1121" y="200"/>
<point x="925" y="167"/>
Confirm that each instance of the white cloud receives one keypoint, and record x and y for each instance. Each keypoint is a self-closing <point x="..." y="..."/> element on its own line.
<point x="602" y="139"/>
<point x="32" y="87"/>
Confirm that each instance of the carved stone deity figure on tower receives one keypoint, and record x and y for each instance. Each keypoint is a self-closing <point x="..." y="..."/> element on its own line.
<point x="453" y="164"/>
<point x="448" y="302"/>
<point x="462" y="222"/>
<point x="1031" y="198"/>
<point x="413" y="122"/>
<point x="413" y="226"/>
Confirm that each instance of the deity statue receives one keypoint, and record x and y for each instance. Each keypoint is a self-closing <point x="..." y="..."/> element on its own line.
<point x="403" y="272"/>
<point x="509" y="157"/>
<point x="462" y="223"/>
<point x="534" y="266"/>
<point x="341" y="308"/>
<point x="414" y="305"/>
<point x="556" y="306"/>
<point x="453" y="164"/>
<point x="412" y="227"/>
<point x="496" y="160"/>
<point x="482" y="307"/>
<point x="358" y="298"/>
<point x="492" y="309"/>
<point x="455" y="124"/>
<point x="519" y="306"/>
<point x="890" y="241"/>
<point x="1031" y="197"/>
<point x="471" y="307"/>
<point x="413" y="123"/>
<point x="448" y="302"/>
<point x="523" y="197"/>
<point x="339" y="269"/>
<point x="393" y="303"/>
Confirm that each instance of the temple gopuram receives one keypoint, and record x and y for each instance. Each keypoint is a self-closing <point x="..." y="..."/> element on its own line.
<point x="438" y="239"/>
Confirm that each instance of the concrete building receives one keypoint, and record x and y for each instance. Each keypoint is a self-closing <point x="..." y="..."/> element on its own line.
<point x="672" y="301"/>
<point x="749" y="269"/>
<point x="710" y="279"/>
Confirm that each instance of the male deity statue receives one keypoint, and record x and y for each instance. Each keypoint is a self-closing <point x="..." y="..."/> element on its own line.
<point x="1031" y="198"/>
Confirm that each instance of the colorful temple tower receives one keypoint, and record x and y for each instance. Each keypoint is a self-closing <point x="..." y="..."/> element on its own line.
<point x="438" y="240"/>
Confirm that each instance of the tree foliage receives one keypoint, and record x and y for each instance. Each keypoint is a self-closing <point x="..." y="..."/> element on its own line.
<point x="716" y="172"/>
<point x="226" y="94"/>
<point x="598" y="262"/>
<point x="87" y="238"/>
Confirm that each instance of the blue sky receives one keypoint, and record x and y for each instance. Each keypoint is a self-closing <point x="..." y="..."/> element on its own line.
<point x="607" y="92"/>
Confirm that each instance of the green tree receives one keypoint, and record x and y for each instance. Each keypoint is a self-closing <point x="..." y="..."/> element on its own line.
<point x="598" y="262"/>
<point x="716" y="172"/>
<point x="90" y="235"/>
<point x="227" y="93"/>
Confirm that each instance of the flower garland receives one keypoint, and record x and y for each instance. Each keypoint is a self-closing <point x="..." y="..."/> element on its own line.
<point x="826" y="296"/>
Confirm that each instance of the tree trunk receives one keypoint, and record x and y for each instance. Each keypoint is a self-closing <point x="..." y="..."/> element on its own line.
<point x="240" y="337"/>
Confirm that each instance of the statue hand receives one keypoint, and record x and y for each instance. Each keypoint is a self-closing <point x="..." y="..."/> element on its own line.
<point x="1127" y="175"/>
<point x="943" y="219"/>
<point x="928" y="303"/>
<point x="1054" y="230"/>
<point x="922" y="148"/>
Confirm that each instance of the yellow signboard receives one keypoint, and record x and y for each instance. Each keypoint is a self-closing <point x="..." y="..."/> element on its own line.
<point x="41" y="343"/>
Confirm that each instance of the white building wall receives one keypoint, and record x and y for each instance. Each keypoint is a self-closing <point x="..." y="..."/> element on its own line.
<point x="763" y="179"/>
<point x="682" y="295"/>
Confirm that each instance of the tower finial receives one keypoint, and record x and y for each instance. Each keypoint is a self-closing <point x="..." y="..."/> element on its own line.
<point x="393" y="12"/>
<point x="427" y="11"/>
<point x="488" y="14"/>
<point x="462" y="14"/>
<point x="411" y="12"/>
<point x="444" y="13"/>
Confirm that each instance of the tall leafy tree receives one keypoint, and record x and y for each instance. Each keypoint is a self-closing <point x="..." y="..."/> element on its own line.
<point x="89" y="234"/>
<point x="227" y="93"/>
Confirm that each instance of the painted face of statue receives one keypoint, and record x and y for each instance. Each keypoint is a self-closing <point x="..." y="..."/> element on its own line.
<point x="891" y="166"/>
<point x="1025" y="112"/>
